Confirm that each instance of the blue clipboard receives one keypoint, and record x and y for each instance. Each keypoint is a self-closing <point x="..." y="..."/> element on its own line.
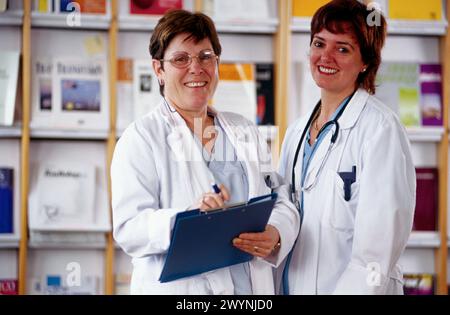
<point x="202" y="241"/>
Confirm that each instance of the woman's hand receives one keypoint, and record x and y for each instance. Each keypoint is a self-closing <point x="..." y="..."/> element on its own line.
<point x="260" y="244"/>
<point x="212" y="200"/>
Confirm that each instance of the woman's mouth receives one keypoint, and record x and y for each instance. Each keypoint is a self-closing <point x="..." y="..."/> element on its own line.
<point x="326" y="70"/>
<point x="195" y="84"/>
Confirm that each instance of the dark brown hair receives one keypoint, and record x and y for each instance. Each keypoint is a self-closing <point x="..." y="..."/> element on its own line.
<point x="343" y="16"/>
<point x="198" y="26"/>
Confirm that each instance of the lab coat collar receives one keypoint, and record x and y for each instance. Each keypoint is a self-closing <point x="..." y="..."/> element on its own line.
<point x="244" y="138"/>
<point x="353" y="109"/>
<point x="346" y="121"/>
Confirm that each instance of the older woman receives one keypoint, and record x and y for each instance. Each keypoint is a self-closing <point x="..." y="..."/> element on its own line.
<point x="349" y="164"/>
<point x="164" y="163"/>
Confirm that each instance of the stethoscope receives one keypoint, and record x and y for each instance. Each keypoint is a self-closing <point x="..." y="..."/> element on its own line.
<point x="294" y="194"/>
<point x="295" y="197"/>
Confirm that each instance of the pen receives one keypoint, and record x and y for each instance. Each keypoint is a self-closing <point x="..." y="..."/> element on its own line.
<point x="216" y="188"/>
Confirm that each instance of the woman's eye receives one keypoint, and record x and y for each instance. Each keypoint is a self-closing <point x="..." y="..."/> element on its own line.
<point x="180" y="59"/>
<point x="205" y="57"/>
<point x="343" y="50"/>
<point x="317" y="44"/>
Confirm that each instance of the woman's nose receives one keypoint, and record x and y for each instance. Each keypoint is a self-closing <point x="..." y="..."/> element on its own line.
<point x="195" y="66"/>
<point x="326" y="55"/>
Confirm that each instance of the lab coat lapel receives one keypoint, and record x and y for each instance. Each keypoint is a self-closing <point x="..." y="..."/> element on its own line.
<point x="354" y="109"/>
<point x="347" y="120"/>
<point x="318" y="158"/>
<point x="245" y="142"/>
<point x="197" y="176"/>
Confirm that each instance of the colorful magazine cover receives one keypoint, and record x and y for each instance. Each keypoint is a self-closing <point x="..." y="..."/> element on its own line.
<point x="431" y="94"/>
<point x="155" y="7"/>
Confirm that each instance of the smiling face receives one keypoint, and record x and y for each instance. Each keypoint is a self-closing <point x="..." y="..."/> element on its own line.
<point x="188" y="89"/>
<point x="335" y="61"/>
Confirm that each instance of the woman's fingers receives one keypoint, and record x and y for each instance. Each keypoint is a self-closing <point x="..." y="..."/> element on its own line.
<point x="258" y="244"/>
<point x="211" y="201"/>
<point x="224" y="192"/>
<point x="255" y="250"/>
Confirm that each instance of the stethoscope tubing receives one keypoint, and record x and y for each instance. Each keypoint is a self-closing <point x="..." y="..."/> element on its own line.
<point x="305" y="130"/>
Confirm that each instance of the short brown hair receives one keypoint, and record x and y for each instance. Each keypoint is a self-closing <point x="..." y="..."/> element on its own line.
<point x="198" y="25"/>
<point x="340" y="16"/>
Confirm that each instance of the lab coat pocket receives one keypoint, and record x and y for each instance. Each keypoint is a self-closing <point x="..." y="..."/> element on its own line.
<point x="340" y="213"/>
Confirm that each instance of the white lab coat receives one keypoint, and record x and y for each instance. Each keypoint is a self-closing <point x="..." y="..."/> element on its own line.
<point x="150" y="186"/>
<point x="353" y="247"/>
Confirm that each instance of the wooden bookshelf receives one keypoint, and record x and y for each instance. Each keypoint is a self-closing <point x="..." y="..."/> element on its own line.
<point x="110" y="250"/>
<point x="281" y="31"/>
<point x="441" y="254"/>
<point x="25" y="145"/>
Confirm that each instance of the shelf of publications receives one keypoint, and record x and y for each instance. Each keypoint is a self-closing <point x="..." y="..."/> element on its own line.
<point x="424" y="239"/>
<point x="148" y="23"/>
<point x="9" y="241"/>
<point x="62" y="245"/>
<point x="427" y="134"/>
<point x="10" y="132"/>
<point x="55" y="20"/>
<point x="11" y="18"/>
<point x="137" y="23"/>
<point x="282" y="28"/>
<point x="398" y="27"/>
<point x="266" y="26"/>
<point x="68" y="134"/>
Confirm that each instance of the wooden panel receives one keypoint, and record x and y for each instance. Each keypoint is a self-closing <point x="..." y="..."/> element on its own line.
<point x="441" y="252"/>
<point x="25" y="144"/>
<point x="198" y="5"/>
<point x="113" y="29"/>
<point x="282" y="62"/>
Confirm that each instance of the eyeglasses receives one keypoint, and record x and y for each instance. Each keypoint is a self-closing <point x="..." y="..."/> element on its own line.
<point x="182" y="60"/>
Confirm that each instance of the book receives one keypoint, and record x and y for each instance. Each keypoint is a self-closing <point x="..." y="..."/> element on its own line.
<point x="70" y="94"/>
<point x="146" y="94"/>
<point x="430" y="10"/>
<point x="236" y="91"/>
<point x="65" y="238"/>
<point x="3" y="5"/>
<point x="63" y="197"/>
<point x="57" y="284"/>
<point x="124" y="93"/>
<point x="237" y="10"/>
<point x="398" y="87"/>
<point x="41" y="90"/>
<point x="86" y="6"/>
<point x="154" y="7"/>
<point x="9" y="71"/>
<point x="9" y="287"/>
<point x="430" y="79"/>
<point x="265" y="98"/>
<point x="425" y="217"/>
<point x="6" y="199"/>
<point x="418" y="284"/>
<point x="43" y="6"/>
<point x="302" y="8"/>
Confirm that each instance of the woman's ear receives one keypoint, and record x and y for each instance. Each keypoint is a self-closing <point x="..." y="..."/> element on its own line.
<point x="157" y="68"/>
<point x="364" y="69"/>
